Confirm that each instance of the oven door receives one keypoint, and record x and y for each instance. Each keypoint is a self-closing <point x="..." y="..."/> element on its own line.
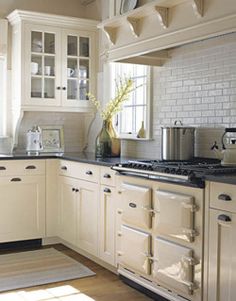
<point x="134" y="250"/>
<point x="136" y="205"/>
<point x="173" y="266"/>
<point x="174" y="215"/>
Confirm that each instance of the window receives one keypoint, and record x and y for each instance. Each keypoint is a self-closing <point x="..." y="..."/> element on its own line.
<point x="3" y="75"/>
<point x="137" y="109"/>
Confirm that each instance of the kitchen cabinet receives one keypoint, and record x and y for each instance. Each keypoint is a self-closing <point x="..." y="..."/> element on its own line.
<point x="107" y="205"/>
<point x="54" y="61"/>
<point x="22" y="202"/>
<point x="79" y="195"/>
<point x="221" y="242"/>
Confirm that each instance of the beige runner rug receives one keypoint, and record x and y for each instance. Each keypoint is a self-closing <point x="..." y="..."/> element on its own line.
<point x="31" y="268"/>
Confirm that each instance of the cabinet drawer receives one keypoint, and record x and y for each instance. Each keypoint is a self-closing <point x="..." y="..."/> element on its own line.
<point x="22" y="167"/>
<point x="82" y="171"/>
<point x="223" y="196"/>
<point x="107" y="176"/>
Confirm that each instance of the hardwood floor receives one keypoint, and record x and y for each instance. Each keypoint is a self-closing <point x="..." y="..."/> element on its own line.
<point x="105" y="286"/>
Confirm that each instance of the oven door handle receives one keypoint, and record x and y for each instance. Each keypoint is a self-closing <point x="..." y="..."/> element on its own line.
<point x="150" y="210"/>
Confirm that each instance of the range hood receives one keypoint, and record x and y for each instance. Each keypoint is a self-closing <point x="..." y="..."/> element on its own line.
<point x="140" y="34"/>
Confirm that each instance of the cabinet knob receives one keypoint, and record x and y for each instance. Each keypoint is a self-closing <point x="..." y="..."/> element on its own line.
<point x="30" y="167"/>
<point x="15" y="179"/>
<point x="73" y="189"/>
<point x="107" y="190"/>
<point x="224" y="218"/>
<point x="107" y="176"/>
<point x="224" y="197"/>
<point x="2" y="168"/>
<point x="64" y="88"/>
<point x="76" y="190"/>
<point x="89" y="172"/>
<point x="63" y="168"/>
<point x="58" y="88"/>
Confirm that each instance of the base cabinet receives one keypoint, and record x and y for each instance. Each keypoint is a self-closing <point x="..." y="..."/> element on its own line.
<point x="107" y="224"/>
<point x="222" y="250"/>
<point x="22" y="208"/>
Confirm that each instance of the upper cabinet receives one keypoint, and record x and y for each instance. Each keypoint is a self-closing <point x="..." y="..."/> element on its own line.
<point x="53" y="62"/>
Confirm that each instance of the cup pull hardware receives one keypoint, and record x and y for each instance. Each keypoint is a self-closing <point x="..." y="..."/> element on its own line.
<point x="89" y="172"/>
<point x="15" y="179"/>
<point x="107" y="176"/>
<point x="224" y="218"/>
<point x="107" y="190"/>
<point x="30" y="167"/>
<point x="224" y="197"/>
<point x="2" y="168"/>
<point x="63" y="168"/>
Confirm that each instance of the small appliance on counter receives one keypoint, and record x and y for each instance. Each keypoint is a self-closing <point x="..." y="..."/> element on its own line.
<point x="34" y="140"/>
<point x="177" y="142"/>
<point x="228" y="153"/>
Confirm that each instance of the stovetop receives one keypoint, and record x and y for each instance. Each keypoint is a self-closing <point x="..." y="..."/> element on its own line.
<point x="191" y="171"/>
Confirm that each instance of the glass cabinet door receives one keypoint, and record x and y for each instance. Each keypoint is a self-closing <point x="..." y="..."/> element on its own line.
<point x="43" y="84"/>
<point x="77" y="68"/>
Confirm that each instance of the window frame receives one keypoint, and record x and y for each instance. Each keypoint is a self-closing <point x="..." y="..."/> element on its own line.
<point x="133" y="136"/>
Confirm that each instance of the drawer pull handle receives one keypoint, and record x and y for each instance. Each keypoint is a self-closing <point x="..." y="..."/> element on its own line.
<point x="30" y="167"/>
<point x="107" y="176"/>
<point x="63" y="168"/>
<point x="15" y="179"/>
<point x="132" y="205"/>
<point x="107" y="190"/>
<point x="89" y="172"/>
<point x="2" y="168"/>
<point x="224" y="197"/>
<point x="224" y="218"/>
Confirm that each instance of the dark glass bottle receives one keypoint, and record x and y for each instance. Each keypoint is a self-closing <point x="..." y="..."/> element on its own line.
<point x="103" y="142"/>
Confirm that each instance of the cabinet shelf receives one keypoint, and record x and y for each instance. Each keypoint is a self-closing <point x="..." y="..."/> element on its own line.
<point x="133" y="18"/>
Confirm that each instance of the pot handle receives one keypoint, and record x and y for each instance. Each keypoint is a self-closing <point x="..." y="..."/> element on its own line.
<point x="178" y="121"/>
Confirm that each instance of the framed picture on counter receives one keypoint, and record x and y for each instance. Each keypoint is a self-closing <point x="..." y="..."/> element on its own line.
<point x="52" y="138"/>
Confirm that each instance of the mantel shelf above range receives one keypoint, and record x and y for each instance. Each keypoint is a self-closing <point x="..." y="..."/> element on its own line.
<point x="134" y="17"/>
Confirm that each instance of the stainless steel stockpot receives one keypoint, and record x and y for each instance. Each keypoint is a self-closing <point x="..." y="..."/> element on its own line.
<point x="177" y="142"/>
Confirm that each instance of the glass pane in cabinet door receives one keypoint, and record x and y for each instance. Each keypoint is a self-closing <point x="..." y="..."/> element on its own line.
<point x="83" y="89"/>
<point x="36" y="41"/>
<point x="72" y="42"/>
<point x="36" y="87"/>
<point x="72" y="69"/>
<point x="49" y="43"/>
<point x="84" y="69"/>
<point x="36" y="65"/>
<point x="84" y="46"/>
<point x="49" y="88"/>
<point x="72" y="89"/>
<point x="49" y="65"/>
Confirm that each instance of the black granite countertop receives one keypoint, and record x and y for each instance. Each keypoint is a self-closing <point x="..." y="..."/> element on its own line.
<point x="76" y="156"/>
<point x="91" y="159"/>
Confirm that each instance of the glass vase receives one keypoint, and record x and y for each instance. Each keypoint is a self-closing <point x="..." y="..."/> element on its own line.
<point x="115" y="141"/>
<point x="103" y="142"/>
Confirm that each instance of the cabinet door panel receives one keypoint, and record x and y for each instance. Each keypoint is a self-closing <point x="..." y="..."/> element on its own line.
<point x="222" y="249"/>
<point x="67" y="209"/>
<point x="107" y="225"/>
<point x="22" y="208"/>
<point x="87" y="217"/>
<point x="42" y="66"/>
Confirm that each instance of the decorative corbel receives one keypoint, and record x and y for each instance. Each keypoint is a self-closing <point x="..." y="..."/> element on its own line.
<point x="110" y="33"/>
<point x="198" y="7"/>
<point x="162" y="13"/>
<point x="134" y="25"/>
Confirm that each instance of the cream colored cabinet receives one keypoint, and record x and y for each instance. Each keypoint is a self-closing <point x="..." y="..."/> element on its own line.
<point x="67" y="208"/>
<point x="22" y="202"/>
<point x="87" y="217"/>
<point x="107" y="224"/>
<point x="54" y="61"/>
<point x="221" y="244"/>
